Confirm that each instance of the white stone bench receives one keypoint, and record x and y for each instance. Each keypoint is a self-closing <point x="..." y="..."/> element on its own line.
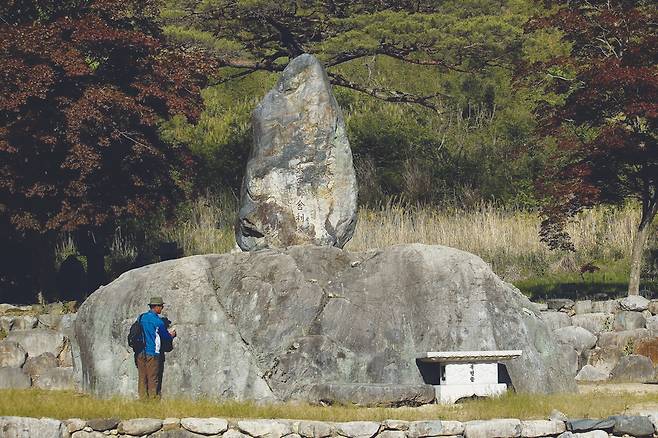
<point x="468" y="373"/>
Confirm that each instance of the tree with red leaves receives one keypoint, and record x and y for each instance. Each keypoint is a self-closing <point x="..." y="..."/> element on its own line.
<point x="83" y="87"/>
<point x="603" y="115"/>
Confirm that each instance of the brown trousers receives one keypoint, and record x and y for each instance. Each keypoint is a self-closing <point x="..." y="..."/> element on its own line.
<point x="149" y="374"/>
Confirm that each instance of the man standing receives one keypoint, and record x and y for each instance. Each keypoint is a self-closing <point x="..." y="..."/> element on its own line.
<point x="148" y="361"/>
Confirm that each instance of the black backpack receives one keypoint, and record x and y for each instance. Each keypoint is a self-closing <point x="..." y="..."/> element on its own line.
<point x="136" y="336"/>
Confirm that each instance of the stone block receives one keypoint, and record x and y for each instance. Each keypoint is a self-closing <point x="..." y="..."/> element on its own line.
<point x="500" y="428"/>
<point x="35" y="366"/>
<point x="628" y="320"/>
<point x="205" y="426"/>
<point x="648" y="347"/>
<point x="607" y="306"/>
<point x="395" y="425"/>
<point x="265" y="428"/>
<point x="653" y="307"/>
<point x="636" y="303"/>
<point x="593" y="322"/>
<point x="11" y="355"/>
<point x="75" y="424"/>
<point x="418" y="429"/>
<point x="590" y="373"/>
<point x="316" y="429"/>
<point x="371" y="394"/>
<point x="55" y="379"/>
<point x="604" y="359"/>
<point x="139" y="426"/>
<point x="537" y="428"/>
<point x="636" y="425"/>
<point x="6" y="323"/>
<point x="633" y="368"/>
<point x="392" y="434"/>
<point x="556" y="320"/>
<point x="622" y="340"/>
<point x="579" y="338"/>
<point x="170" y="423"/>
<point x="583" y="306"/>
<point x="38" y="341"/>
<point x="14" y="378"/>
<point x="357" y="429"/>
<point x="49" y="321"/>
<point x="26" y="427"/>
<point x="652" y="325"/>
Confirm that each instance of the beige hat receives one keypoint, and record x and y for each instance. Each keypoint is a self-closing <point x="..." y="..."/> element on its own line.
<point x="156" y="301"/>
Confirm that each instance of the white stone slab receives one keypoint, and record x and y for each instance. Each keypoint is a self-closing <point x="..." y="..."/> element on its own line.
<point x="452" y="393"/>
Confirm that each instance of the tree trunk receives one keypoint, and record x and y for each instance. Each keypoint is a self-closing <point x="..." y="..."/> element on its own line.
<point x="649" y="209"/>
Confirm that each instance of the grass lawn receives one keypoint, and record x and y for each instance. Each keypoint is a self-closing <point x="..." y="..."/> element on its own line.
<point x="63" y="405"/>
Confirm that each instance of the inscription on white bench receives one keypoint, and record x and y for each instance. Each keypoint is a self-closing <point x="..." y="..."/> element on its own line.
<point x="468" y="373"/>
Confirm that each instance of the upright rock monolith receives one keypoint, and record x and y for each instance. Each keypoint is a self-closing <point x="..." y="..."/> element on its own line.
<point x="299" y="185"/>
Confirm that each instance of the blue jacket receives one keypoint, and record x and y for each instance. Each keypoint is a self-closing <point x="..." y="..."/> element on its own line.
<point x="154" y="330"/>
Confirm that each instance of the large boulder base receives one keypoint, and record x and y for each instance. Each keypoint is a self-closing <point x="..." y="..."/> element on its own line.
<point x="299" y="185"/>
<point x="269" y="325"/>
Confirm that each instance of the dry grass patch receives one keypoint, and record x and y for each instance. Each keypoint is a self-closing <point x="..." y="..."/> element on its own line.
<point x="63" y="405"/>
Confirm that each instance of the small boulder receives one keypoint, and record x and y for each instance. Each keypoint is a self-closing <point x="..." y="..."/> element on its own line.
<point x="627" y="320"/>
<point x="556" y="320"/>
<point x="652" y="325"/>
<point x="493" y="428"/>
<point x="590" y="424"/>
<point x="653" y="307"/>
<point x="419" y="429"/>
<point x="265" y="428"/>
<point x="593" y="322"/>
<point x="556" y="415"/>
<point x="633" y="368"/>
<point x="35" y="366"/>
<point x="103" y="424"/>
<point x="11" y="354"/>
<point x="357" y="429"/>
<point x="205" y="426"/>
<point x="55" y="379"/>
<point x="6" y="323"/>
<point x="38" y="341"/>
<point x="578" y="337"/>
<point x="636" y="303"/>
<point x="139" y="426"/>
<point x="649" y="348"/>
<point x="14" y="378"/>
<point x="75" y="424"/>
<point x="314" y="429"/>
<point x="637" y="425"/>
<point x="592" y="374"/>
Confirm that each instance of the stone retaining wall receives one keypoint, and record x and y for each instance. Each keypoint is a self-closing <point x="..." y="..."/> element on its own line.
<point x="613" y="340"/>
<point x="38" y="348"/>
<point x="629" y="426"/>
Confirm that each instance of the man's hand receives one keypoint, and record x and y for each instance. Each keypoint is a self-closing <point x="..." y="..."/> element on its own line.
<point x="172" y="333"/>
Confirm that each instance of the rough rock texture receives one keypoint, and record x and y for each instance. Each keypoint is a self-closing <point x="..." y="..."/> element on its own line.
<point x="627" y="320"/>
<point x="13" y="378"/>
<point x="372" y="394"/>
<point x="581" y="307"/>
<point x="593" y="322"/>
<point x="635" y="303"/>
<point x="634" y="368"/>
<point x="35" y="366"/>
<point x="632" y="425"/>
<point x="604" y="359"/>
<point x="38" y="341"/>
<point x="205" y="426"/>
<point x="622" y="340"/>
<point x="139" y="426"/>
<point x="556" y="320"/>
<point x="608" y="306"/>
<point x="500" y="428"/>
<point x="649" y="348"/>
<point x="578" y="337"/>
<point x="299" y="186"/>
<point x="590" y="373"/>
<point x="25" y="427"/>
<point x="11" y="355"/>
<point x="57" y="379"/>
<point x="270" y="324"/>
<point x="537" y="428"/>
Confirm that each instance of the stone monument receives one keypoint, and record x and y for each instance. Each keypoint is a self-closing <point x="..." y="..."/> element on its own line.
<point x="299" y="186"/>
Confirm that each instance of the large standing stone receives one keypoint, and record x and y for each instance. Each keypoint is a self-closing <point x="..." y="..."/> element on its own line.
<point x="299" y="186"/>
<point x="11" y="354"/>
<point x="280" y="322"/>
